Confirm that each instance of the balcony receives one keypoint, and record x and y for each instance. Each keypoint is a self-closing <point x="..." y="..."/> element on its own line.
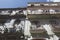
<point x="39" y="11"/>
<point x="39" y="33"/>
<point x="9" y="12"/>
<point x="44" y="3"/>
<point x="43" y="7"/>
<point x="43" y="16"/>
<point x="44" y="13"/>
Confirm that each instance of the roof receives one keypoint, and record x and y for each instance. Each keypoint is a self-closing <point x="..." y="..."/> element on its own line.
<point x="12" y="9"/>
<point x="37" y="0"/>
<point x="43" y="2"/>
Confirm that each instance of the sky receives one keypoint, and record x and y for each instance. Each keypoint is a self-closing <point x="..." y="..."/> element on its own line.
<point x="19" y="3"/>
<point x="12" y="3"/>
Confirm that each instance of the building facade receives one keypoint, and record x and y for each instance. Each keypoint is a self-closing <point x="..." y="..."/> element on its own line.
<point x="38" y="21"/>
<point x="45" y="19"/>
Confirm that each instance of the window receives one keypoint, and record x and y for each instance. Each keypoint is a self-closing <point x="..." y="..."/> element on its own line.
<point x="53" y="22"/>
<point x="57" y="10"/>
<point x="32" y="5"/>
<point x="10" y="11"/>
<point x="0" y="11"/>
<point x="36" y="23"/>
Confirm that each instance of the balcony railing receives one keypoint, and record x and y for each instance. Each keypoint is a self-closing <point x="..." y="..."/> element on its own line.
<point x="11" y="12"/>
<point x="44" y="12"/>
<point x="37" y="31"/>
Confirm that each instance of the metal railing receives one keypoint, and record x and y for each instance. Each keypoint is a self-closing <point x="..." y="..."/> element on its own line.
<point x="44" y="13"/>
